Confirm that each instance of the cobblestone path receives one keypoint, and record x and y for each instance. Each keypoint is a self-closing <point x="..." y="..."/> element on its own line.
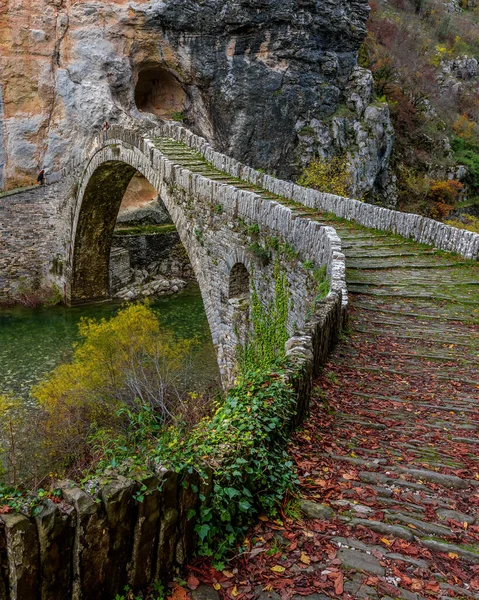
<point x="396" y="422"/>
<point x="392" y="444"/>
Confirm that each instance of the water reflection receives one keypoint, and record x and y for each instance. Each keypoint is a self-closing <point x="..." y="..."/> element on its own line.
<point x="34" y="341"/>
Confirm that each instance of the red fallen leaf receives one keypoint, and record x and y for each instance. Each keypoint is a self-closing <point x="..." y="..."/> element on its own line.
<point x="474" y="583"/>
<point x="193" y="582"/>
<point x="292" y="546"/>
<point x="339" y="584"/>
<point x="5" y="509"/>
<point x="416" y="585"/>
<point x="432" y="586"/>
<point x="179" y="593"/>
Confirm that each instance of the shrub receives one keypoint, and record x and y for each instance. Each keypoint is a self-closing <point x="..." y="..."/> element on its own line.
<point x="245" y="446"/>
<point x="467" y="153"/>
<point x="442" y="197"/>
<point x="265" y="344"/>
<point x="465" y="128"/>
<point x="119" y="363"/>
<point x="468" y="222"/>
<point x="329" y="176"/>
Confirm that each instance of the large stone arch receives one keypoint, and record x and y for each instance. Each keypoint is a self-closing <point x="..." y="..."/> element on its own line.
<point x="99" y="206"/>
<point x="98" y="199"/>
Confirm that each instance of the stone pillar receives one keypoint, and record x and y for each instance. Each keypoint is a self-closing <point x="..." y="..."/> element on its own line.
<point x="121" y="513"/>
<point x="22" y="547"/>
<point x="165" y="555"/>
<point x="56" y="534"/>
<point x="91" y="545"/>
<point x="188" y="502"/>
<point x="145" y="538"/>
<point x="3" y="564"/>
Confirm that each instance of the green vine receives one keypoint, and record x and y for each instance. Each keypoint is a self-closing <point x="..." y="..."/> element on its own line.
<point x="245" y="447"/>
<point x="264" y="345"/>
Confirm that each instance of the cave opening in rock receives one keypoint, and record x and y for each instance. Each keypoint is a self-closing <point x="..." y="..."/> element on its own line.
<point x="159" y="92"/>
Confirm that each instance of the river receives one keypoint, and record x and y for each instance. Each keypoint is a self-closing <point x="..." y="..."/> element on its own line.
<point x="35" y="341"/>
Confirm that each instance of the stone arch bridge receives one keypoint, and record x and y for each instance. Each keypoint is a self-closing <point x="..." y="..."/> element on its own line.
<point x="234" y="222"/>
<point x="233" y="232"/>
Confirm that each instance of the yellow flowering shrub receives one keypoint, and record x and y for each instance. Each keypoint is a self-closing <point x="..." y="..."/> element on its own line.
<point x="330" y="176"/>
<point x="124" y="361"/>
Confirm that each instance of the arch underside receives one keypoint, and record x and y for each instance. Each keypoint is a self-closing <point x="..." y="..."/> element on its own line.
<point x="93" y="237"/>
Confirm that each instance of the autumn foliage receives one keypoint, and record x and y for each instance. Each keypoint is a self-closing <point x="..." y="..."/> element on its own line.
<point x="127" y="361"/>
<point x="328" y="175"/>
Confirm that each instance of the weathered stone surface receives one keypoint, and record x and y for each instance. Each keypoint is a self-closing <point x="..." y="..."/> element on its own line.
<point x="466" y="554"/>
<point x="4" y="593"/>
<point x="168" y="523"/>
<point x="145" y="537"/>
<point x="378" y="527"/>
<point x="360" y="561"/>
<point x="205" y="592"/>
<point x="121" y="512"/>
<point x="421" y="525"/>
<point x="188" y="502"/>
<point x="445" y="515"/>
<point x="316" y="511"/>
<point x="230" y="68"/>
<point x="56" y="536"/>
<point x="23" y="557"/>
<point x="451" y="481"/>
<point x="91" y="545"/>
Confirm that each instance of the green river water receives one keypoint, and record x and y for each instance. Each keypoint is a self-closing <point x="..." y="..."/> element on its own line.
<point x="34" y="341"/>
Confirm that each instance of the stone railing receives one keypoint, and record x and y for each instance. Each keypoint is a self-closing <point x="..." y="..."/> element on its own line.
<point x="90" y="545"/>
<point x="420" y="229"/>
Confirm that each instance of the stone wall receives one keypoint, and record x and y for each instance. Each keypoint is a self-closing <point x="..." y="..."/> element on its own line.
<point x="90" y="544"/>
<point x="28" y="221"/>
<point x="148" y="248"/>
<point x="409" y="225"/>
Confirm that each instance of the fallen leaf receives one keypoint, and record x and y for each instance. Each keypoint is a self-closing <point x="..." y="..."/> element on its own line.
<point x="386" y="541"/>
<point x="339" y="584"/>
<point x="453" y="555"/>
<point x="278" y="569"/>
<point x="304" y="558"/>
<point x="193" y="582"/>
<point x="234" y="592"/>
<point x="216" y="586"/>
<point x="179" y="593"/>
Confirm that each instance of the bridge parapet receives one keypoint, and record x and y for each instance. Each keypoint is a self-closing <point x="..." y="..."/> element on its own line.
<point x="420" y="229"/>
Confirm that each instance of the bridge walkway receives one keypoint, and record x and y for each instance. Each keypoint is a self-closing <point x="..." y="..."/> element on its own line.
<point x="392" y="444"/>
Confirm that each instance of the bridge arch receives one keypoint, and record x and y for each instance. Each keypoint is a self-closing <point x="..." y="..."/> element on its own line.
<point x="98" y="199"/>
<point x="239" y="283"/>
<point x="214" y="220"/>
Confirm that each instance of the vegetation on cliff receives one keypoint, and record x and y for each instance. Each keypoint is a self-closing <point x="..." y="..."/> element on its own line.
<point x="423" y="59"/>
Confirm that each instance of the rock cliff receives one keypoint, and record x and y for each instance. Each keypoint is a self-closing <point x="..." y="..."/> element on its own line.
<point x="271" y="82"/>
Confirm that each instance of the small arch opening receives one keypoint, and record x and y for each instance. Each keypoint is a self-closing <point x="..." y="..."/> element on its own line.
<point x="239" y="287"/>
<point x="159" y="92"/>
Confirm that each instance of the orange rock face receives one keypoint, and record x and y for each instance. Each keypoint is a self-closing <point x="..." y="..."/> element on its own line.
<point x="58" y="62"/>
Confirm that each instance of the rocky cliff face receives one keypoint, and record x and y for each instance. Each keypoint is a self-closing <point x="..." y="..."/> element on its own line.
<point x="271" y="82"/>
